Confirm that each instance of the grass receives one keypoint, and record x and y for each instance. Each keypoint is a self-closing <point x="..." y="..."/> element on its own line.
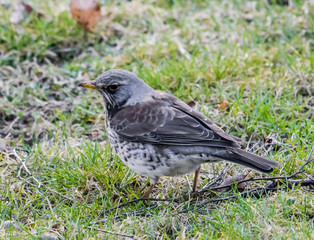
<point x="257" y="56"/>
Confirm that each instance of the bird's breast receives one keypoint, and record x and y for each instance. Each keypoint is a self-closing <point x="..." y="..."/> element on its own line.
<point x="151" y="160"/>
<point x="137" y="156"/>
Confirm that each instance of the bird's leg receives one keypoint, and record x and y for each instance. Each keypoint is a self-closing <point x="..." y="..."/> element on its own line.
<point x="196" y="174"/>
<point x="149" y="190"/>
<point x="153" y="182"/>
<point x="142" y="189"/>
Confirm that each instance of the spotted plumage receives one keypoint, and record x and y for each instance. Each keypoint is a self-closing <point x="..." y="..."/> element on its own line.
<point x="156" y="134"/>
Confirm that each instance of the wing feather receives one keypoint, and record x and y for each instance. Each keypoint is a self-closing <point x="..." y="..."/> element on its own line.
<point x="164" y="119"/>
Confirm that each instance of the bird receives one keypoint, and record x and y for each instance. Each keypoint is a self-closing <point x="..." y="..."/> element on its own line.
<point x="156" y="134"/>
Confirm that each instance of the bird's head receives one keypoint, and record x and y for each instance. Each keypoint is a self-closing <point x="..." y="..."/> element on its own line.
<point x="119" y="88"/>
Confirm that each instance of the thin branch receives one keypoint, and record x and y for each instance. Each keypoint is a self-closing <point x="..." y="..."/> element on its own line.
<point x="287" y="178"/>
<point x="221" y="175"/>
<point x="50" y="207"/>
<point x="23" y="162"/>
<point x="10" y="126"/>
<point x="300" y="170"/>
<point x="308" y="160"/>
<point x="303" y="182"/>
<point x="139" y="200"/>
<point x="139" y="212"/>
<point x="258" y="192"/>
<point x="56" y="192"/>
<point x="256" y="144"/>
<point x="114" y="233"/>
<point x="39" y="185"/>
<point x="308" y="176"/>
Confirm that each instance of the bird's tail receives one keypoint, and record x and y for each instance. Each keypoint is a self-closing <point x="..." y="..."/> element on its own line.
<point x="247" y="159"/>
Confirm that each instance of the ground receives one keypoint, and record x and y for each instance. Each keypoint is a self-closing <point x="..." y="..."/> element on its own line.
<point x="256" y="55"/>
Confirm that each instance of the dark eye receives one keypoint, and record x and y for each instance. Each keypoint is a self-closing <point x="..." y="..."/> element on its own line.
<point x="113" y="87"/>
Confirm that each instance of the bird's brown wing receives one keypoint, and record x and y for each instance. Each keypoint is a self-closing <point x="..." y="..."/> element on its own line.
<point x="206" y="121"/>
<point x="164" y="119"/>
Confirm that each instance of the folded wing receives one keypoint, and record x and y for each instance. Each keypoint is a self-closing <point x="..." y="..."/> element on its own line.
<point x="166" y="120"/>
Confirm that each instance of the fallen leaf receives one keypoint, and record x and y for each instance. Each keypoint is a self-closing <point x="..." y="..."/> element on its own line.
<point x="224" y="106"/>
<point x="229" y="180"/>
<point x="58" y="227"/>
<point x="85" y="12"/>
<point x="191" y="104"/>
<point x="22" y="10"/>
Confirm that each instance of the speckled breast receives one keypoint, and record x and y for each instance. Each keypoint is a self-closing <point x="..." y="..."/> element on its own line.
<point x="141" y="158"/>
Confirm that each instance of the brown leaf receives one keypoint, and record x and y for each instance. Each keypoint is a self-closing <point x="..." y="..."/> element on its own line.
<point x="224" y="106"/>
<point x="230" y="180"/>
<point x="58" y="227"/>
<point x="23" y="9"/>
<point x="28" y="8"/>
<point x="191" y="104"/>
<point x="85" y="12"/>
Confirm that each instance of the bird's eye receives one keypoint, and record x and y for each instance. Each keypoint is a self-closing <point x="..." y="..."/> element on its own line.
<point x="113" y="87"/>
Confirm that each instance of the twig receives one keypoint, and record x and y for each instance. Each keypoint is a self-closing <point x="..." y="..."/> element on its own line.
<point x="50" y="207"/>
<point x="23" y="162"/>
<point x="139" y="212"/>
<point x="221" y="175"/>
<point x="303" y="182"/>
<point x="300" y="170"/>
<point x="308" y="176"/>
<point x="141" y="199"/>
<point x="40" y="186"/>
<point x="182" y="49"/>
<point x="256" y="179"/>
<point x="75" y="227"/>
<point x="9" y="127"/>
<point x="308" y="160"/>
<point x="54" y="191"/>
<point x="258" y="142"/>
<point x="114" y="233"/>
<point x="258" y="192"/>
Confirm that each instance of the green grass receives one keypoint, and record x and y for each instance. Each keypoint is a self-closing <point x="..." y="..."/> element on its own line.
<point x="258" y="57"/>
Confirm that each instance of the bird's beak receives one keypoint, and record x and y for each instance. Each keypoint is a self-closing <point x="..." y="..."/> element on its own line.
<point x="88" y="85"/>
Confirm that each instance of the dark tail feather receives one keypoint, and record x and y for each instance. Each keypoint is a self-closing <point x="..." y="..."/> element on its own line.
<point x="250" y="160"/>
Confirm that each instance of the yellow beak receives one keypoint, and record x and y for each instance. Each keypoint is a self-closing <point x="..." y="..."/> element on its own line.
<point x="88" y="85"/>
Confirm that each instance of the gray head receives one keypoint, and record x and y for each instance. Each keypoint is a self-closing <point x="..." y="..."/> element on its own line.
<point x="119" y="88"/>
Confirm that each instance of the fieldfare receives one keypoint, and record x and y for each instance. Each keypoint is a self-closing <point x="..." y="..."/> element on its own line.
<point x="156" y="134"/>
